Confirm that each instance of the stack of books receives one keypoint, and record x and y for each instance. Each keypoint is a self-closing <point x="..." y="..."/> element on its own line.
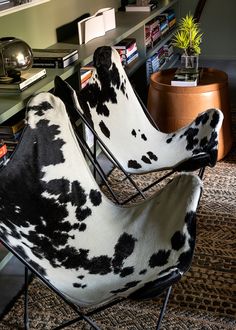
<point x="142" y="8"/>
<point x="169" y="50"/>
<point x="155" y="62"/>
<point x="3" y="152"/>
<point x="152" y="33"/>
<point x="85" y="74"/>
<point x="152" y="65"/>
<point x="186" y="77"/>
<point x="10" y="133"/>
<point x="54" y="58"/>
<point x="171" y="17"/>
<point x="127" y="48"/>
<point x="20" y="83"/>
<point x="164" y="25"/>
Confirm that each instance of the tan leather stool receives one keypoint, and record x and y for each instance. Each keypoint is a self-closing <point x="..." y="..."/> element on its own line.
<point x="173" y="107"/>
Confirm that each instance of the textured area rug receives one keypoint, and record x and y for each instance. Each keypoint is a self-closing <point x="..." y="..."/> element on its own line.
<point x="205" y="296"/>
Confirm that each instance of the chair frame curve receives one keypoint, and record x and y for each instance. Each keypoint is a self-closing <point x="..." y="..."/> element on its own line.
<point x="81" y="316"/>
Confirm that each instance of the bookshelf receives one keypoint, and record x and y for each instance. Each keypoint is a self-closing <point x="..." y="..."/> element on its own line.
<point x="9" y="8"/>
<point x="127" y="25"/>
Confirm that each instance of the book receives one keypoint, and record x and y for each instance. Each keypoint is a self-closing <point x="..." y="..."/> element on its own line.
<point x="129" y="50"/>
<point x="3" y="153"/>
<point x="27" y="78"/>
<point x="12" y="128"/>
<point x="3" y="150"/>
<point x="85" y="74"/>
<point x="104" y="20"/>
<point x="130" y="59"/>
<point x="54" y="58"/>
<point x="185" y="79"/>
<point x="146" y="8"/>
<point x="125" y="44"/>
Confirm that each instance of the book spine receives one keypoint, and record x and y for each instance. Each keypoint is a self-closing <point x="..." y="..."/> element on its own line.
<point x="55" y="57"/>
<point x="40" y="62"/>
<point x="3" y="150"/>
<point x="32" y="79"/>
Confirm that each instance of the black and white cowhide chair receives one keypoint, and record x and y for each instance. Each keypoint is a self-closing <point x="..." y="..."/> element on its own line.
<point x="56" y="220"/>
<point x="121" y="125"/>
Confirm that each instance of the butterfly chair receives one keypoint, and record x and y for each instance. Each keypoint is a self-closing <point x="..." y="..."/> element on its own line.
<point x="124" y="129"/>
<point x="88" y="250"/>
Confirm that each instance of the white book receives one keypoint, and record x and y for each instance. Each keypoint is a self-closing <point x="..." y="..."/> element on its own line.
<point x="94" y="28"/>
<point x="147" y="8"/>
<point x="96" y="25"/>
<point x="185" y="80"/>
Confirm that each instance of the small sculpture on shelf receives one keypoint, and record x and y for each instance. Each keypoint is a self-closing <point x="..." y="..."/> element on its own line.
<point x="15" y="56"/>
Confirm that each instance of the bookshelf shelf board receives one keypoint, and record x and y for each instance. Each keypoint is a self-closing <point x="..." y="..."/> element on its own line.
<point x="127" y="24"/>
<point x="7" y="9"/>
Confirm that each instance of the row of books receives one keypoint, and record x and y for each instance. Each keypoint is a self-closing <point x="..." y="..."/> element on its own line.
<point x="128" y="50"/>
<point x="3" y="153"/>
<point x="10" y="134"/>
<point x="85" y="74"/>
<point x="158" y="59"/>
<point x="158" y="27"/>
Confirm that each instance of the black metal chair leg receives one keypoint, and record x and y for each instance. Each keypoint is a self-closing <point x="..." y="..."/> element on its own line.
<point x="26" y="313"/>
<point x="163" y="309"/>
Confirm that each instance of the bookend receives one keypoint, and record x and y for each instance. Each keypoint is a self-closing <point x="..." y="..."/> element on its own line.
<point x="70" y="29"/>
<point x="55" y="219"/>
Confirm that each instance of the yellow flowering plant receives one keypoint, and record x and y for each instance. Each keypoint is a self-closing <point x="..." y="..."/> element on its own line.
<point x="188" y="37"/>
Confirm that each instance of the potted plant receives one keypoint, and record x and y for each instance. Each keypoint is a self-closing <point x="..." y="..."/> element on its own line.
<point x="188" y="38"/>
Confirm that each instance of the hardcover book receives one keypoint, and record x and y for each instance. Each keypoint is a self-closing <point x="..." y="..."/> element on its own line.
<point x="145" y="8"/>
<point x="12" y="128"/>
<point x="54" y="58"/>
<point x="125" y="43"/>
<point x="27" y="78"/>
<point x="96" y="25"/>
<point x="185" y="80"/>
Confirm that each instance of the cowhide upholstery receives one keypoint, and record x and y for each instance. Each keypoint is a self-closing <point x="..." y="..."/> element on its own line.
<point x="53" y="214"/>
<point x="113" y="110"/>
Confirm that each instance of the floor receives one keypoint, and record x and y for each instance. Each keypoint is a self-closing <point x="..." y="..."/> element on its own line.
<point x="12" y="275"/>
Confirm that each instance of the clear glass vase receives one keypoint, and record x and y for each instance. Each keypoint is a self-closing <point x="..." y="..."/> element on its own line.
<point x="189" y="61"/>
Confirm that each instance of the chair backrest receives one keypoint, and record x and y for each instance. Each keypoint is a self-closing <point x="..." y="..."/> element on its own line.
<point x="53" y="214"/>
<point x="112" y="109"/>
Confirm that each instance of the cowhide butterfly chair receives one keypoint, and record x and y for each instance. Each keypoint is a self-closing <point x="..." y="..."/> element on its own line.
<point x="88" y="250"/>
<point x="122" y="126"/>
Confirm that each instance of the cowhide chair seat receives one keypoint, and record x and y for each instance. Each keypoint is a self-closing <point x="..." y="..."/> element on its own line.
<point x="112" y="109"/>
<point x="55" y="218"/>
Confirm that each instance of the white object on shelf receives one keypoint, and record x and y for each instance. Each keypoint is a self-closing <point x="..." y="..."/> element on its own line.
<point x="97" y="25"/>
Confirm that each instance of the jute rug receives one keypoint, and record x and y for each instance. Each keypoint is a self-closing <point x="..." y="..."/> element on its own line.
<point x="205" y="296"/>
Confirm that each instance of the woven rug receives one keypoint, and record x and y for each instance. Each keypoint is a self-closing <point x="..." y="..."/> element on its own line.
<point x="205" y="296"/>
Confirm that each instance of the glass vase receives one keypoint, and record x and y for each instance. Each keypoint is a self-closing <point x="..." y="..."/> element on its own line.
<point x="190" y="61"/>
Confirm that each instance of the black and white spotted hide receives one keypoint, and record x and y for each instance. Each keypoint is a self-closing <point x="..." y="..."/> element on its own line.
<point x="54" y="215"/>
<point x="113" y="110"/>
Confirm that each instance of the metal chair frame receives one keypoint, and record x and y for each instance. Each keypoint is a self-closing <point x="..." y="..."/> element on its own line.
<point x="91" y="154"/>
<point x="81" y="316"/>
<point x="97" y="169"/>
